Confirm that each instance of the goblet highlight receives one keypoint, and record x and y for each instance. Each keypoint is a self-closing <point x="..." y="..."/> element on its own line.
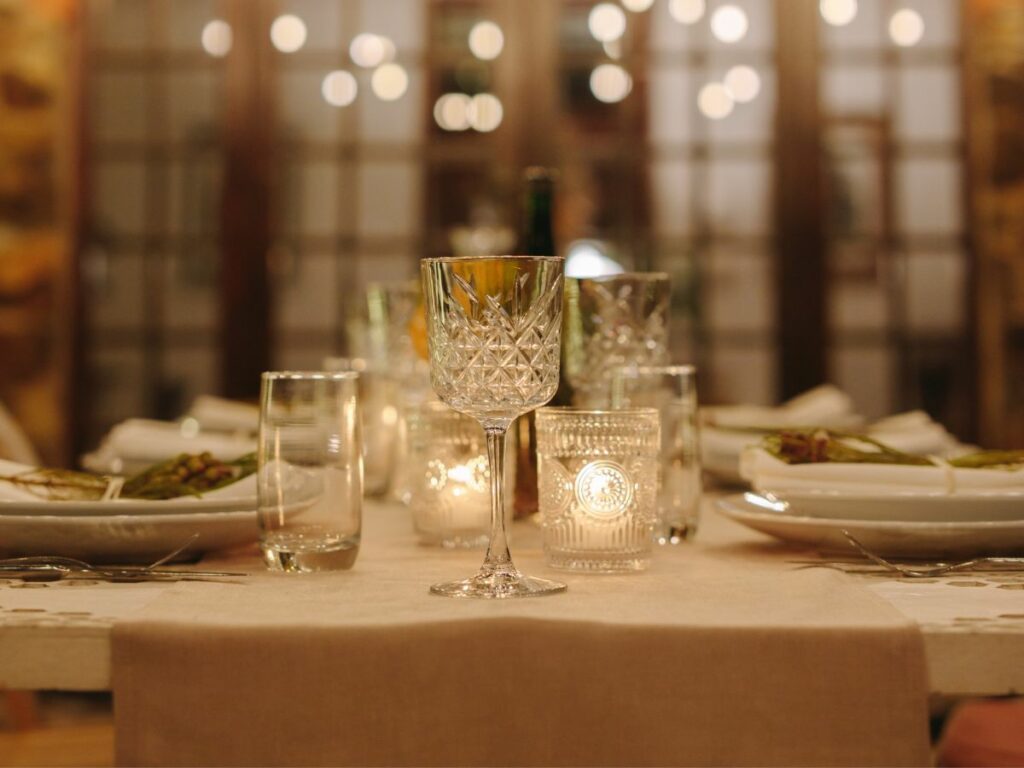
<point x="494" y="329"/>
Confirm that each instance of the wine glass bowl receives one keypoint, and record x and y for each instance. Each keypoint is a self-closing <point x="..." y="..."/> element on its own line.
<point x="494" y="330"/>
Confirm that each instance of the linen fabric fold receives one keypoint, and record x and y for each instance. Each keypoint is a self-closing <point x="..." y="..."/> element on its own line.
<point x="721" y="654"/>
<point x="768" y="474"/>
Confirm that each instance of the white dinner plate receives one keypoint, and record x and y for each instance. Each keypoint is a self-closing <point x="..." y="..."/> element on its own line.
<point x="902" y="507"/>
<point x="125" y="538"/>
<point x="128" y="507"/>
<point x="888" y="538"/>
<point x="237" y="497"/>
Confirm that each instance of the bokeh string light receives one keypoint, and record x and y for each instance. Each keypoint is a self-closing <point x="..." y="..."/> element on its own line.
<point x="687" y="11"/>
<point x="288" y="33"/>
<point x="217" y="38"/>
<point x="339" y="88"/>
<point x="486" y="40"/>
<point x="838" y="13"/>
<point x="606" y="22"/>
<point x="906" y="27"/>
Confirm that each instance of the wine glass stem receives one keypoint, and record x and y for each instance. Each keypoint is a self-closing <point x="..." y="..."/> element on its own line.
<point x="498" y="557"/>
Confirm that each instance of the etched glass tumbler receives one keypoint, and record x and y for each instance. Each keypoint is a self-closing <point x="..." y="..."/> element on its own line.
<point x="448" y="477"/>
<point x="672" y="390"/>
<point x="614" y="321"/>
<point x="310" y="476"/>
<point x="494" y="330"/>
<point x="598" y="476"/>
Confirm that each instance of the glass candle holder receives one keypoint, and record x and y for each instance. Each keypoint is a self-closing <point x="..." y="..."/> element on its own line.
<point x="598" y="475"/>
<point x="613" y="321"/>
<point x="672" y="390"/>
<point x="448" y="477"/>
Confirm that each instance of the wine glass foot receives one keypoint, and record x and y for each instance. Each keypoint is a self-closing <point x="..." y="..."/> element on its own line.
<point x="497" y="586"/>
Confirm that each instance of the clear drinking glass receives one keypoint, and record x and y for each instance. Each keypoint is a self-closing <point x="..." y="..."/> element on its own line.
<point x="672" y="390"/>
<point x="449" y="478"/>
<point x="379" y="403"/>
<point x="598" y="478"/>
<point x="494" y="330"/>
<point x="310" y="477"/>
<point x="614" y="321"/>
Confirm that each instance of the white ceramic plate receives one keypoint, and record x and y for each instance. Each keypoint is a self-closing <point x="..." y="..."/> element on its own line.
<point x="903" y="507"/>
<point x="889" y="538"/>
<point x="124" y="538"/>
<point x="126" y="507"/>
<point x="237" y="497"/>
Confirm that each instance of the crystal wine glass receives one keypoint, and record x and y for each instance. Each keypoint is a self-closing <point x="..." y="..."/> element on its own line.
<point x="493" y="328"/>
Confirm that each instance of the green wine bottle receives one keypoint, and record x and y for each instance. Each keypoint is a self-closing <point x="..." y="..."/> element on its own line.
<point x="537" y="239"/>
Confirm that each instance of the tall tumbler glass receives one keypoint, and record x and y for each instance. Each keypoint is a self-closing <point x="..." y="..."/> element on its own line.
<point x="379" y="400"/>
<point x="614" y="321"/>
<point x="494" y="329"/>
<point x="672" y="390"/>
<point x="310" y="477"/>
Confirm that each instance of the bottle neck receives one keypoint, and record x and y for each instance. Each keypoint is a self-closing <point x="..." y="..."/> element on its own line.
<point x="538" y="230"/>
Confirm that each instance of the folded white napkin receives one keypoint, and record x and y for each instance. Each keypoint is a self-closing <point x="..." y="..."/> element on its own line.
<point x="220" y="415"/>
<point x="135" y="444"/>
<point x="824" y="406"/>
<point x="916" y="432"/>
<point x="9" y="491"/>
<point x="14" y="443"/>
<point x="766" y="473"/>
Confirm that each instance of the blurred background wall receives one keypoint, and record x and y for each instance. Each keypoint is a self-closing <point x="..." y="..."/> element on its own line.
<point x="834" y="186"/>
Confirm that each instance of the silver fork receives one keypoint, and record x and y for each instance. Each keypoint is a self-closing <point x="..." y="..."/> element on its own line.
<point x="56" y="567"/>
<point x="938" y="569"/>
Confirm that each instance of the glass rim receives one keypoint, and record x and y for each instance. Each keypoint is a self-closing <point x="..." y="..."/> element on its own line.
<point x="571" y="410"/>
<point x="310" y="375"/>
<point x="646" y="276"/>
<point x="681" y="369"/>
<point x="490" y="257"/>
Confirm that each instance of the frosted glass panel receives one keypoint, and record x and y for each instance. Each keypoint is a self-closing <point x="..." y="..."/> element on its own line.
<point x="739" y="196"/>
<point x="115" y="289"/>
<point x="389" y="197"/>
<point x="305" y="116"/>
<point x="190" y="283"/>
<point x="760" y="30"/>
<point x="928" y="197"/>
<point x="193" y="372"/>
<point x="401" y="20"/>
<point x="118" y="106"/>
<point x="324" y="28"/>
<point x="941" y="21"/>
<point x="398" y="121"/>
<point x="866" y="374"/>
<point x="858" y="305"/>
<point x="307" y="295"/>
<point x="853" y="90"/>
<point x="191" y="103"/>
<point x="670" y="105"/>
<point x="750" y="122"/>
<point x="667" y="34"/>
<point x="118" y="199"/>
<point x="743" y="375"/>
<point x="929" y="103"/>
<point x="671" y="204"/>
<point x="936" y="288"/>
<point x="186" y="19"/>
<point x="739" y="293"/>
<point x="864" y="31"/>
<point x="318" y="198"/>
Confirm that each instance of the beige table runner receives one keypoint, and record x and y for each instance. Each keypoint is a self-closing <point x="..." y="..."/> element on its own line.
<point x="721" y="654"/>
